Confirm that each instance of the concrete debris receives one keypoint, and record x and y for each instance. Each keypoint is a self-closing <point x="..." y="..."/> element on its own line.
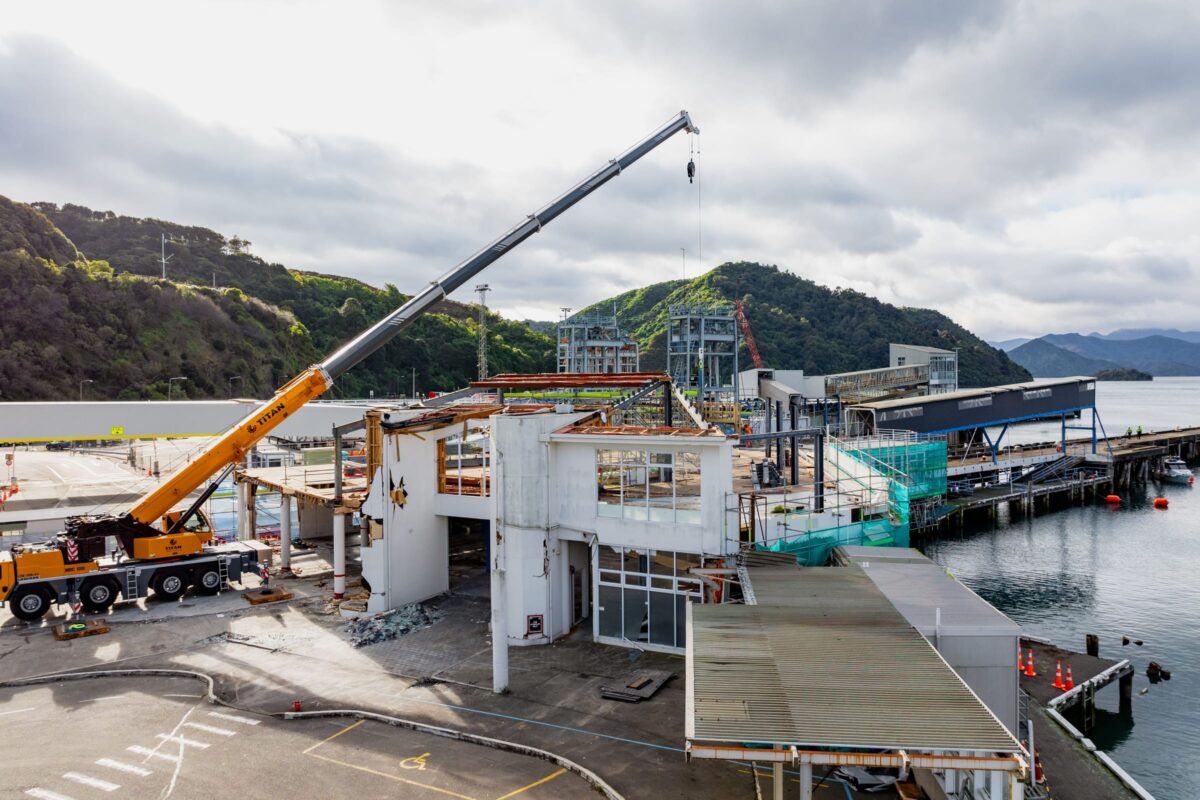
<point x="641" y="685"/>
<point x="389" y="625"/>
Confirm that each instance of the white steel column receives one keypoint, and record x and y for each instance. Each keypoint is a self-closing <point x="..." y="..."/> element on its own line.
<point x="806" y="783"/>
<point x="285" y="532"/>
<point x="996" y="789"/>
<point x="1017" y="787"/>
<point x="242" y="511"/>
<point x="499" y="613"/>
<point x="777" y="780"/>
<point x="339" y="555"/>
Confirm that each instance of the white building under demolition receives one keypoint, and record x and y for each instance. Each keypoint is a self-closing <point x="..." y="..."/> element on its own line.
<point x="584" y="522"/>
<point x="597" y="502"/>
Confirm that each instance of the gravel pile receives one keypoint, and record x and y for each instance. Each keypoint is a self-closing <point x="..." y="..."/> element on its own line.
<point x="390" y="624"/>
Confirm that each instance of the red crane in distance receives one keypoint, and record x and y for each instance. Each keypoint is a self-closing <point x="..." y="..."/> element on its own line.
<point x="744" y="324"/>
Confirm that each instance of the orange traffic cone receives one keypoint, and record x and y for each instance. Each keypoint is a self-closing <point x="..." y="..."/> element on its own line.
<point x="1070" y="679"/>
<point x="1058" y="681"/>
<point x="1030" y="672"/>
<point x="1020" y="664"/>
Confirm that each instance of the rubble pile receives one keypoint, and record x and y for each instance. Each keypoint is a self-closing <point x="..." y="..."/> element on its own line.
<point x="389" y="625"/>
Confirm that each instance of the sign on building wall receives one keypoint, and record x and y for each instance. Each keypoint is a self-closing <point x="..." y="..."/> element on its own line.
<point x="533" y="625"/>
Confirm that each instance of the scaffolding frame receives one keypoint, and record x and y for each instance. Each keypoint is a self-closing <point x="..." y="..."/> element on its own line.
<point x="702" y="354"/>
<point x="595" y="343"/>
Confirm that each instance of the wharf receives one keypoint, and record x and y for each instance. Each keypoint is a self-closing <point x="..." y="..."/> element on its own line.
<point x="1074" y="769"/>
<point x="1026" y="497"/>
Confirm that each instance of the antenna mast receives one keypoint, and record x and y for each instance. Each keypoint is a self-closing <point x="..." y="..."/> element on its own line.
<point x="483" y="289"/>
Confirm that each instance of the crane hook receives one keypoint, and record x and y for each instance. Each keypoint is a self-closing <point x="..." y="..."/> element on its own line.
<point x="691" y="169"/>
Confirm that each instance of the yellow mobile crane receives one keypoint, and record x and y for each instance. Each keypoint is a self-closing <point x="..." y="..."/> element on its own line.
<point x="164" y="551"/>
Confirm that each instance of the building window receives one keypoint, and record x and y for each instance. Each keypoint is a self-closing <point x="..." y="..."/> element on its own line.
<point x="900" y="361"/>
<point x="464" y="463"/>
<point x="648" y="485"/>
<point x="902" y="413"/>
<point x="644" y="594"/>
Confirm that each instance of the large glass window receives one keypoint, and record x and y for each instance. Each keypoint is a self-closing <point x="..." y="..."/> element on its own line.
<point x="644" y="594"/>
<point x="464" y="463"/>
<point x="648" y="485"/>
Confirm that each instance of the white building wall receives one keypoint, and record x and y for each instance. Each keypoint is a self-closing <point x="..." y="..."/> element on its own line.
<point x="534" y="560"/>
<point x="576" y="493"/>
<point x="409" y="563"/>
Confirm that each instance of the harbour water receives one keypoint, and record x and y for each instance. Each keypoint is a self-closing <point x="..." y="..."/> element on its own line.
<point x="1128" y="571"/>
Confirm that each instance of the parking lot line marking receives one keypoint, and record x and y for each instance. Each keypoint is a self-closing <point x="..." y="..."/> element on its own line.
<point x="233" y="718"/>
<point x="95" y="783"/>
<point x="166" y="737"/>
<point x="200" y="726"/>
<point x="349" y="727"/>
<point x="390" y="777"/>
<point x="183" y="695"/>
<point x="42" y="794"/>
<point x="146" y="751"/>
<point x="18" y="711"/>
<point x="121" y="766"/>
<point x="546" y="779"/>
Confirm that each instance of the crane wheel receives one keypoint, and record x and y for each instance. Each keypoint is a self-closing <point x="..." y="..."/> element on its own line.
<point x="30" y="602"/>
<point x="170" y="586"/>
<point x="97" y="595"/>
<point x="208" y="580"/>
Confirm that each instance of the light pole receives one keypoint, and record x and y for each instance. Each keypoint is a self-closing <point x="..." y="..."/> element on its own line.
<point x="81" y="383"/>
<point x="231" y="380"/>
<point x="165" y="259"/>
<point x="171" y="385"/>
<point x="414" y="391"/>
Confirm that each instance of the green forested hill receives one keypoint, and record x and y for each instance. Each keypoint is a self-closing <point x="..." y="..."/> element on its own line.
<point x="801" y="325"/>
<point x="66" y="320"/>
<point x="441" y="346"/>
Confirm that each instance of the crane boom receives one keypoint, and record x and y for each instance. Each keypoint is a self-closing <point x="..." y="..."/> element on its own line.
<point x="233" y="445"/>
<point x="748" y="335"/>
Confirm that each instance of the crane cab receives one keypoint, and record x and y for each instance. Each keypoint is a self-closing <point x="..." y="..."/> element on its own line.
<point x="187" y="541"/>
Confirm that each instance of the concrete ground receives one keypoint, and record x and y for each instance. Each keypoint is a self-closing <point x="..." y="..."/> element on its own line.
<point x="156" y="738"/>
<point x="265" y="658"/>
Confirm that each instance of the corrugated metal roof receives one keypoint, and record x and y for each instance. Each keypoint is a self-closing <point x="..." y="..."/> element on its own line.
<point x="846" y="554"/>
<point x="824" y="659"/>
<point x="918" y="591"/>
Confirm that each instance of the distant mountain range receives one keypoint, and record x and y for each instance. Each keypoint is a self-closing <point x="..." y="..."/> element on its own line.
<point x="1154" y="351"/>
<point x="1008" y="345"/>
<point x="1142" y="333"/>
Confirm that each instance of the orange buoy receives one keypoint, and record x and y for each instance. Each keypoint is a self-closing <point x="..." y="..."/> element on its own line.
<point x="1113" y="498"/>
<point x="1161" y="502"/>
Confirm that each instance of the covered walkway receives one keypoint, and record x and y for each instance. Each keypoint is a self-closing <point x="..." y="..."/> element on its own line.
<point x="819" y="669"/>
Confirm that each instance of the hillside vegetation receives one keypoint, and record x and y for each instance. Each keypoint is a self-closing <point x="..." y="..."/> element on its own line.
<point x="441" y="346"/>
<point x="801" y="325"/>
<point x="67" y="320"/>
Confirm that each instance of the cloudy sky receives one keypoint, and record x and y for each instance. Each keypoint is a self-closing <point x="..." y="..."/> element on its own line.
<point x="1023" y="167"/>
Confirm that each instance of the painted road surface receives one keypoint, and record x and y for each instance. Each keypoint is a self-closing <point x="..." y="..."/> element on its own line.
<point x="156" y="738"/>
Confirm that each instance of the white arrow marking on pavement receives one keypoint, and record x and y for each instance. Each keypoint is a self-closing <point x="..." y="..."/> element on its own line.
<point x="187" y="742"/>
<point x="210" y="729"/>
<point x="88" y="780"/>
<point x="120" y="766"/>
<point x="233" y="718"/>
<point x="146" y="751"/>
